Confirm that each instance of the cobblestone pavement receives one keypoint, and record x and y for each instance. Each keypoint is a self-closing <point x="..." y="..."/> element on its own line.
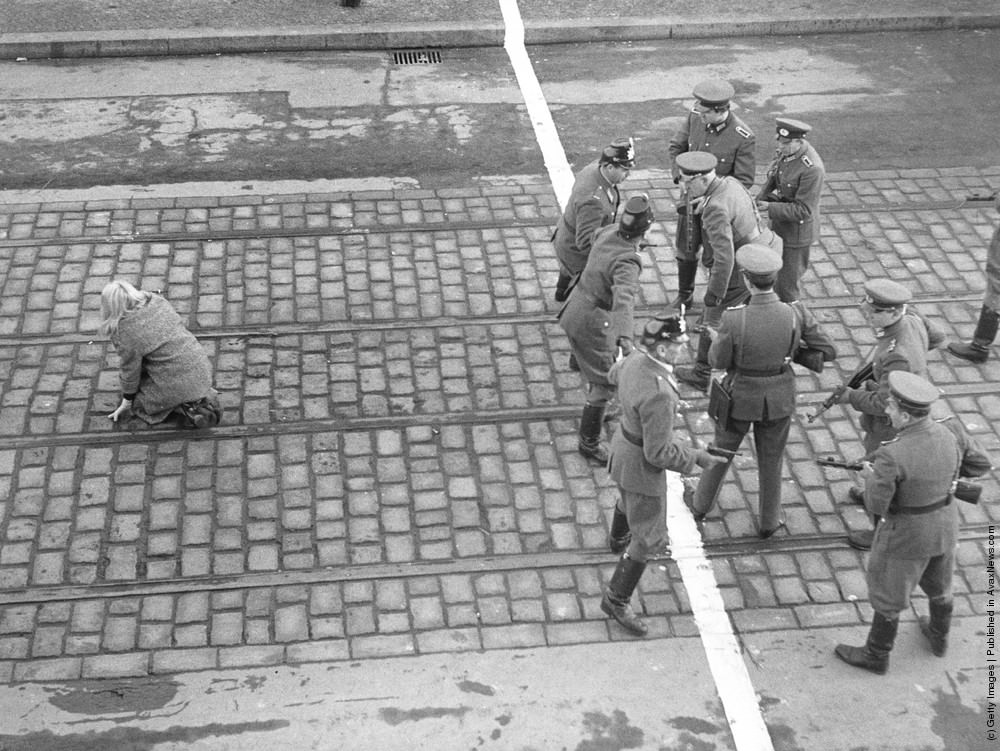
<point x="397" y="472"/>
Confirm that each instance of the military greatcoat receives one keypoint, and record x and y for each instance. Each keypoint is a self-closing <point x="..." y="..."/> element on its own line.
<point x="900" y="346"/>
<point x="600" y="309"/>
<point x="643" y="446"/>
<point x="733" y="144"/>
<point x="754" y="346"/>
<point x="593" y="203"/>
<point x="912" y="546"/>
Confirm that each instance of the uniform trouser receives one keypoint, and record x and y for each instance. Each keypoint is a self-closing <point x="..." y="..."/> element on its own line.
<point x="770" y="437"/>
<point x="647" y="519"/>
<point x="794" y="262"/>
<point x="891" y="581"/>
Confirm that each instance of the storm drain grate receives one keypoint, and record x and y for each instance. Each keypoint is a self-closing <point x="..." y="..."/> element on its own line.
<point x="416" y="57"/>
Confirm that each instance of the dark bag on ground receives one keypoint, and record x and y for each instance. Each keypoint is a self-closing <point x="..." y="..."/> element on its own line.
<point x="201" y="413"/>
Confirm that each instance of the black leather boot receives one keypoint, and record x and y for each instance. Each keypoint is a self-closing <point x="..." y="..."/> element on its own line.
<point x="874" y="656"/>
<point x="619" y="593"/>
<point x="591" y="424"/>
<point x="978" y="350"/>
<point x="687" y="272"/>
<point x="620" y="535"/>
<point x="936" y="629"/>
<point x="698" y="375"/>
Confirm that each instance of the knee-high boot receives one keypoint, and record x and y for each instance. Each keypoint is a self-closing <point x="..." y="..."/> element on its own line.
<point x="687" y="273"/>
<point x="874" y="656"/>
<point x="617" y="596"/>
<point x="697" y="375"/>
<point x="620" y="535"/>
<point x="562" y="287"/>
<point x="978" y="350"/>
<point x="591" y="424"/>
<point x="936" y="629"/>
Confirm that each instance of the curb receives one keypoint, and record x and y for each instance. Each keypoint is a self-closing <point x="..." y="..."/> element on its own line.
<point x="157" y="42"/>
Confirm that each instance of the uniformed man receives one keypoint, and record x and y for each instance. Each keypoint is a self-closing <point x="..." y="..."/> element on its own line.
<point x="598" y="317"/>
<point x="909" y="484"/>
<point x="592" y="204"/>
<point x="713" y="127"/>
<point x="729" y="221"/>
<point x="902" y="340"/>
<point x="756" y="345"/>
<point x="978" y="349"/>
<point x="643" y="447"/>
<point x="790" y="199"/>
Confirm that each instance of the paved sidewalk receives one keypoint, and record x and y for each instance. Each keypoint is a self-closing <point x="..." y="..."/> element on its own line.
<point x="88" y="28"/>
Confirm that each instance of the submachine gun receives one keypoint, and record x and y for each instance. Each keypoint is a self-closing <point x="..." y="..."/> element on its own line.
<point x="963" y="490"/>
<point x="867" y="373"/>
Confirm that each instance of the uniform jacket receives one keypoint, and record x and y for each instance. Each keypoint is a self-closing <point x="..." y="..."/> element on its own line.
<point x="600" y="309"/>
<point x="732" y="143"/>
<point x="792" y="188"/>
<point x="754" y="347"/>
<point x="593" y="203"/>
<point x="648" y="394"/>
<point x="918" y="469"/>
<point x="992" y="299"/>
<point x="900" y="346"/>
<point x="729" y="220"/>
<point x="161" y="361"/>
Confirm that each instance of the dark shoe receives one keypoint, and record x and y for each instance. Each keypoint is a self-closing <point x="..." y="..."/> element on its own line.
<point x="591" y="425"/>
<point x="573" y="364"/>
<point x="860" y="657"/>
<point x="874" y="656"/>
<point x="861" y="539"/>
<point x="199" y="414"/>
<point x="978" y="350"/>
<point x="619" y="592"/>
<point x="937" y="627"/>
<point x="625" y="616"/>
<point x="857" y="495"/>
<point x="973" y="351"/>
<point x="692" y="377"/>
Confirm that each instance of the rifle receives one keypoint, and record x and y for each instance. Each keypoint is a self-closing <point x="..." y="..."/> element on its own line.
<point x="963" y="490"/>
<point x="867" y="373"/>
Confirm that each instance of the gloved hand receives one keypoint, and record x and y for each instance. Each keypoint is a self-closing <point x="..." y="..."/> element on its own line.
<point x="711" y="300"/>
<point x="844" y="397"/>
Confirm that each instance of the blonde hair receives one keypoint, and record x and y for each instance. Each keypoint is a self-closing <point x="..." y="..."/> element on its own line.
<point x="117" y="298"/>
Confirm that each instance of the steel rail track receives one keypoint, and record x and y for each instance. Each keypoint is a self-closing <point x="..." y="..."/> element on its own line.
<point x="412" y="570"/>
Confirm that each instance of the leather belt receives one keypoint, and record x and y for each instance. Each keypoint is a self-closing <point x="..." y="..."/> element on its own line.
<point x="635" y="440"/>
<point x="760" y="373"/>
<point x="917" y="510"/>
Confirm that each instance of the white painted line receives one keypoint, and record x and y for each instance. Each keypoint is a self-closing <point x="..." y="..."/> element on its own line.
<point x="732" y="681"/>
<point x="553" y="154"/>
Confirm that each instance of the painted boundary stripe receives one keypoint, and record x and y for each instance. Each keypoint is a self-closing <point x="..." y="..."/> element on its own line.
<point x="732" y="681"/>
<point x="725" y="659"/>
<point x="553" y="153"/>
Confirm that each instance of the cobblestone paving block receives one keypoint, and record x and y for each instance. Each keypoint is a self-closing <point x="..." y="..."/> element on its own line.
<point x="151" y="506"/>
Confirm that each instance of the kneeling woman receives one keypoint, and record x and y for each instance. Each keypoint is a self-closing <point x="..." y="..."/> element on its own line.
<point x="164" y="370"/>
